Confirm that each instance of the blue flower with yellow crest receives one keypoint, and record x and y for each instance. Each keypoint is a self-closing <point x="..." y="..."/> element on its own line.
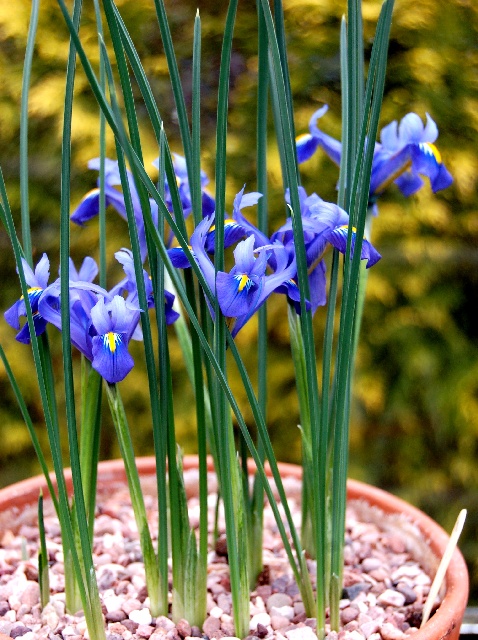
<point x="37" y="281"/>
<point x="406" y="152"/>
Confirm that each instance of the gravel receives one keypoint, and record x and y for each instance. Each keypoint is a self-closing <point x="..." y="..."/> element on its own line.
<point x="384" y="585"/>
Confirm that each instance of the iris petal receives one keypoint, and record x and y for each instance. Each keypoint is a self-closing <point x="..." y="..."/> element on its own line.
<point x="426" y="160"/>
<point x="244" y="255"/>
<point x="178" y="258"/>
<point x="306" y="147"/>
<point x="409" y="183"/>
<point x="111" y="357"/>
<point x="233" y="232"/>
<point x="338" y="238"/>
<point x="235" y="293"/>
<point x="24" y="334"/>
<point x="88" y="208"/>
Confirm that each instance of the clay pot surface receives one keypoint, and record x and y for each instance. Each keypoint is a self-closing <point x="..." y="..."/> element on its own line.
<point x="444" y="624"/>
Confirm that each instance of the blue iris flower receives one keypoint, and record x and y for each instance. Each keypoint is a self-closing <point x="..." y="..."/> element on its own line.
<point x="241" y="201"/>
<point x="181" y="172"/>
<point x="235" y="229"/>
<point x="101" y="325"/>
<point x="37" y="281"/>
<point x="324" y="223"/>
<point x="247" y="286"/>
<point x="114" y="322"/>
<point x="405" y="152"/>
<point x="89" y="205"/>
<point x="128" y="286"/>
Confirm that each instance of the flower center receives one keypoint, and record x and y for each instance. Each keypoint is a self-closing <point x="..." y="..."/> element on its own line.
<point x="430" y="148"/>
<point x="110" y="340"/>
<point x="244" y="281"/>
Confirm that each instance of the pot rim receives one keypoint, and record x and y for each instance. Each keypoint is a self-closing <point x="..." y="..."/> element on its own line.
<point x="446" y="621"/>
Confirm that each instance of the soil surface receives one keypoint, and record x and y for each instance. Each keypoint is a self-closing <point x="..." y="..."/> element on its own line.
<point x="385" y="587"/>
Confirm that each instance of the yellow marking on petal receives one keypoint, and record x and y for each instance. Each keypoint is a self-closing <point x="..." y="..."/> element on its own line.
<point x="243" y="281"/>
<point x="110" y="338"/>
<point x="90" y="194"/>
<point x="32" y="290"/>
<point x="302" y="137"/>
<point x="436" y="154"/>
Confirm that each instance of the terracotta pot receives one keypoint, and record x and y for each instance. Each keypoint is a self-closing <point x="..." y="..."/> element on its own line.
<point x="445" y="623"/>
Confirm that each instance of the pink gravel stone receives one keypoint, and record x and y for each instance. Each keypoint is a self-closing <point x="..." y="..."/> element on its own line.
<point x="279" y="622"/>
<point x="131" y="605"/>
<point x="388" y="631"/>
<point x="390" y="597"/>
<point x="278" y="600"/>
<point x="211" y="625"/>
<point x="144" y="631"/>
<point x="348" y="614"/>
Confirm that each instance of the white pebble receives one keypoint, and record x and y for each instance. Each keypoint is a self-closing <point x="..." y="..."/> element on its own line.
<point x="113" y="603"/>
<point x="50" y="617"/>
<point x="301" y="633"/>
<point x="406" y="570"/>
<point x="10" y="616"/>
<point x="391" y="597"/>
<point x="258" y="606"/>
<point x="15" y="601"/>
<point x="69" y="630"/>
<point x="285" y="611"/>
<point x="216" y="612"/>
<point x="226" y="618"/>
<point x="259" y="618"/>
<point x="141" y="616"/>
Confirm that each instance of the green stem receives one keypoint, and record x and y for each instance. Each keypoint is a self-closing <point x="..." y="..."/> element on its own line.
<point x="90" y="436"/>
<point x="126" y="447"/>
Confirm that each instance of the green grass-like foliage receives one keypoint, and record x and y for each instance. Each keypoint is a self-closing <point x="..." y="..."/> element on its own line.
<point x="410" y="415"/>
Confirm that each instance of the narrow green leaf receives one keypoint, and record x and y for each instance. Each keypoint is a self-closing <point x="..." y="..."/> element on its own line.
<point x="43" y="567"/>
<point x="117" y="129"/>
<point x="127" y="453"/>
<point x="360" y="184"/>
<point x="27" y="67"/>
<point x="29" y="424"/>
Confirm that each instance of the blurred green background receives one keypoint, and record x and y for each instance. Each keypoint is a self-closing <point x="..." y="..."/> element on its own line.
<point x="415" y="418"/>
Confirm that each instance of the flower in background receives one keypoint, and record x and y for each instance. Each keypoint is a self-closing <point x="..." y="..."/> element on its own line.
<point x="182" y="180"/>
<point x="37" y="281"/>
<point x="405" y="152"/>
<point x="90" y="204"/>
<point x="235" y="229"/>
